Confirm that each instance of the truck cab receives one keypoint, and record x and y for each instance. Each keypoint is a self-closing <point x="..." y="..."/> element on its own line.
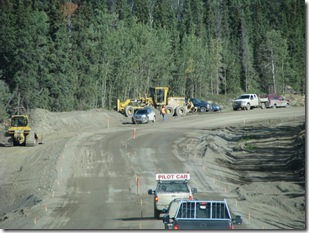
<point x="246" y="101"/>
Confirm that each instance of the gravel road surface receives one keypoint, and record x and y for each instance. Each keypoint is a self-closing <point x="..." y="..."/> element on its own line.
<point x="95" y="168"/>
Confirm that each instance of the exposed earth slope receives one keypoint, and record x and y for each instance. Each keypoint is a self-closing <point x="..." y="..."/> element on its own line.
<point x="85" y="174"/>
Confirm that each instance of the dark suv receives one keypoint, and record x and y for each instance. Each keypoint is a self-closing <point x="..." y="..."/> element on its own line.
<point x="202" y="106"/>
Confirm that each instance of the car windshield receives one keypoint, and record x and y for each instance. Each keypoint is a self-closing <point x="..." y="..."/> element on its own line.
<point x="141" y="112"/>
<point x="243" y="97"/>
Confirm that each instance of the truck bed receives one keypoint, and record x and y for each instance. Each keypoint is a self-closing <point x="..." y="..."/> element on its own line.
<point x="200" y="214"/>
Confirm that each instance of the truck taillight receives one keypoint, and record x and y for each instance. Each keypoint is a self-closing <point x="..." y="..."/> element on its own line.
<point x="231" y="226"/>
<point x="156" y="198"/>
<point x="175" y="227"/>
<point x="190" y="197"/>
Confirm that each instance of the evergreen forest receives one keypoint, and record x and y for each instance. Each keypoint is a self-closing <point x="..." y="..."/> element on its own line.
<point x="63" y="55"/>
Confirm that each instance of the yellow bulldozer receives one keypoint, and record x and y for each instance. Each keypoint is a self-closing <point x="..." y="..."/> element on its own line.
<point x="158" y="97"/>
<point x="19" y="133"/>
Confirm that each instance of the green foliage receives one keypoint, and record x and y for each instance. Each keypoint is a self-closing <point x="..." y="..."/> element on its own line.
<point x="140" y="10"/>
<point x="4" y="100"/>
<point x="194" y="66"/>
<point x="246" y="142"/>
<point x="98" y="51"/>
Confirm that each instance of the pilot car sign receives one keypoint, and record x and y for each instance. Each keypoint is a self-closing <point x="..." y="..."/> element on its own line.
<point x="173" y="176"/>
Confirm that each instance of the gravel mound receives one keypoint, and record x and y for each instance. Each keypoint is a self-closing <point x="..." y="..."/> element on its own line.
<point x="47" y="122"/>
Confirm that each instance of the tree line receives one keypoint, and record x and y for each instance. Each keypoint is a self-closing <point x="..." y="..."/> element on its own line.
<point x="76" y="55"/>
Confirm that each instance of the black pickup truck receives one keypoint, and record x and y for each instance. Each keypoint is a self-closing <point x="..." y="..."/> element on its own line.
<point x="198" y="215"/>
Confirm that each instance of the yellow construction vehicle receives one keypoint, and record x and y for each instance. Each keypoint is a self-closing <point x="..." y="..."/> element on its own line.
<point x="158" y="97"/>
<point x="20" y="133"/>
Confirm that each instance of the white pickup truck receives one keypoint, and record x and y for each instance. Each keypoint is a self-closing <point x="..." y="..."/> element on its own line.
<point x="249" y="101"/>
<point x="246" y="101"/>
<point x="169" y="187"/>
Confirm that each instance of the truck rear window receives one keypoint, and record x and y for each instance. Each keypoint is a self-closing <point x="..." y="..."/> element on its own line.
<point x="177" y="187"/>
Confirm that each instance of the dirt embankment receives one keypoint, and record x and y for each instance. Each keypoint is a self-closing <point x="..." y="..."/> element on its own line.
<point x="254" y="163"/>
<point x="261" y="163"/>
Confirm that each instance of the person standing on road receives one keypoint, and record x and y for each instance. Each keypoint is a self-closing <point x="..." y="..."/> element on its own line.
<point x="163" y="112"/>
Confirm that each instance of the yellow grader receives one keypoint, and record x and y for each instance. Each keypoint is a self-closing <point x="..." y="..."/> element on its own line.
<point x="20" y="133"/>
<point x="158" y="97"/>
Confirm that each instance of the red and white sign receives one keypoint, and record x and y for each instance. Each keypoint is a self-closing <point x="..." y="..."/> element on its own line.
<point x="173" y="176"/>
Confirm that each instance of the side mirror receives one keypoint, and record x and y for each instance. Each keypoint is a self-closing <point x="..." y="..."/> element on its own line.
<point x="166" y="219"/>
<point x="150" y="192"/>
<point x="194" y="190"/>
<point x="238" y="220"/>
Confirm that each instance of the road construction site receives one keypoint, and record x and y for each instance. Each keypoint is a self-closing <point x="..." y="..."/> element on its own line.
<point x="95" y="168"/>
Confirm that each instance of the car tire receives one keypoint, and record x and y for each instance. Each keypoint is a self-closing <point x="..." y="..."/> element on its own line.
<point x="203" y="109"/>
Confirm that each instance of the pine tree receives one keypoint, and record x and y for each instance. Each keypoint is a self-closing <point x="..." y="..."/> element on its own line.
<point x="140" y="10"/>
<point x="162" y="14"/>
<point x="249" y="73"/>
<point x="275" y="53"/>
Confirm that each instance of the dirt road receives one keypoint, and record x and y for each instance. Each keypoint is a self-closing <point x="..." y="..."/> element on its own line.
<point x="95" y="168"/>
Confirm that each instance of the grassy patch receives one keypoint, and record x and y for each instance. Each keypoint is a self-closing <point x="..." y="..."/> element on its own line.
<point x="250" y="146"/>
<point x="246" y="138"/>
<point x="244" y="144"/>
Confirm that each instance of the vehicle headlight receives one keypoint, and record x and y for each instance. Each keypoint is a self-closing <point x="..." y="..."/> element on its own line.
<point x="243" y="102"/>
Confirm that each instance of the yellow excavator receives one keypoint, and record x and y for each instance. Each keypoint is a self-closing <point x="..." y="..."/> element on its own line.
<point x="158" y="97"/>
<point x="20" y="133"/>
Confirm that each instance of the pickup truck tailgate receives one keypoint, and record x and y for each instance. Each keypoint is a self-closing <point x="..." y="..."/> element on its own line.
<point x="164" y="199"/>
<point x="202" y="224"/>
